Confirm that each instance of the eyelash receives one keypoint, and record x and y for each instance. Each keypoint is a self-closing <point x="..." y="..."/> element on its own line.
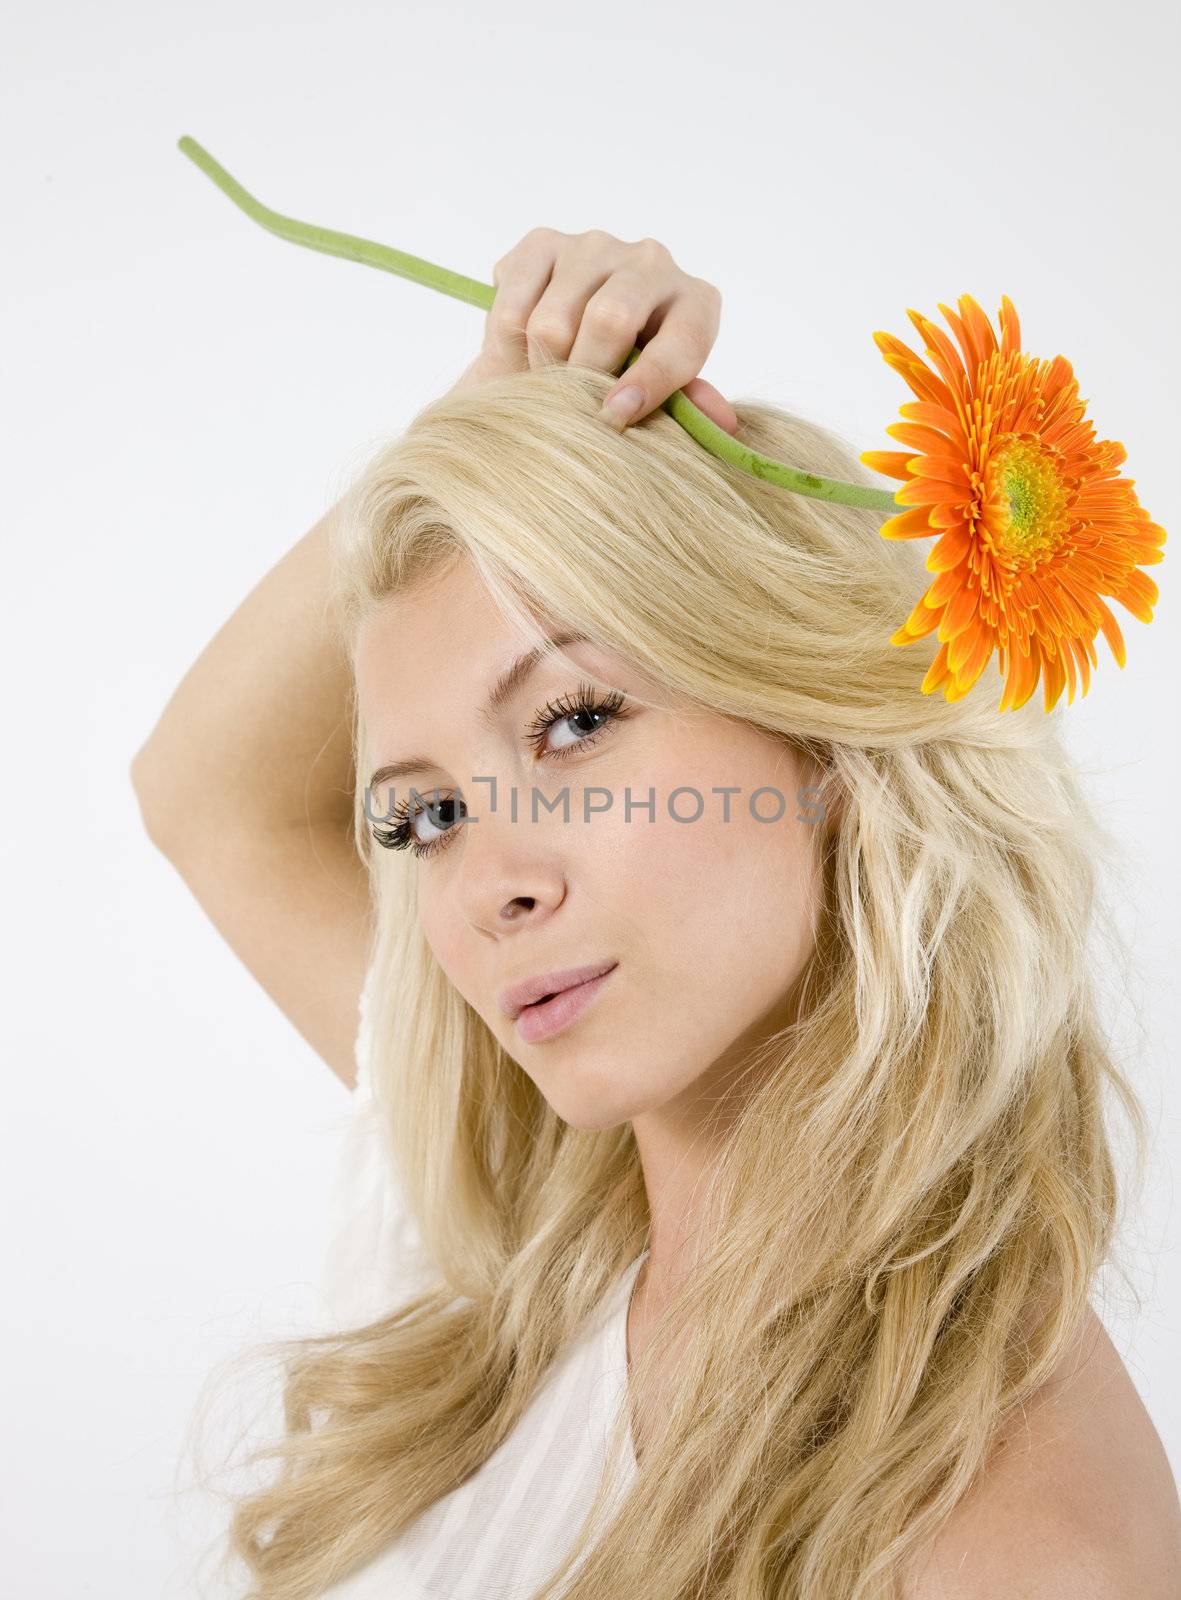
<point x="585" y="701"/>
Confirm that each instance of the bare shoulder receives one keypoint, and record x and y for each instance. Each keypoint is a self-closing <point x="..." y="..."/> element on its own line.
<point x="1077" y="1502"/>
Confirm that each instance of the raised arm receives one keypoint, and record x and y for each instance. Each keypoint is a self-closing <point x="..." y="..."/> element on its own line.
<point x="246" y="785"/>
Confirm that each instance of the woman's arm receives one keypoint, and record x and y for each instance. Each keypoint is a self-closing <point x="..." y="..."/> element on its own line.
<point x="246" y="785"/>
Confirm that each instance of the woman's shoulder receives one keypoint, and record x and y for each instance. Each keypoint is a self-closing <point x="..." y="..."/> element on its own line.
<point x="1077" y="1497"/>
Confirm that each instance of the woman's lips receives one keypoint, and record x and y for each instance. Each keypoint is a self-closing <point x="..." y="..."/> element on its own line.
<point x="547" y="1017"/>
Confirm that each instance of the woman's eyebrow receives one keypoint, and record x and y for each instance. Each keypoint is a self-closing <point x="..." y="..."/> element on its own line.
<point x="506" y="685"/>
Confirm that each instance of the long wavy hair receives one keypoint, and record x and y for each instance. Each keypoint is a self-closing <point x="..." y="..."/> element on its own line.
<point x="907" y="1218"/>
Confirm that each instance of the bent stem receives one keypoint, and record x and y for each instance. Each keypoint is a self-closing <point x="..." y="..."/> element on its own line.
<point x="716" y="440"/>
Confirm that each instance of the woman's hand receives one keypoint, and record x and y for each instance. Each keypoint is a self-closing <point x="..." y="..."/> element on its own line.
<point x="588" y="298"/>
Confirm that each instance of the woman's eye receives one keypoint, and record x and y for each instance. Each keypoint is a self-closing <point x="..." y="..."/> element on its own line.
<point x="564" y="735"/>
<point x="577" y="721"/>
<point x="437" y="814"/>
<point x="589" y="714"/>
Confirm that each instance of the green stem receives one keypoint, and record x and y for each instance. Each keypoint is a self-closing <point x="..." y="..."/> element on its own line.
<point x="716" y="440"/>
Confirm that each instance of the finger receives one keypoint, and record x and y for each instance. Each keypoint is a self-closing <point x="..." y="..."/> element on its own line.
<point x="557" y="329"/>
<point x="710" y="400"/>
<point x="520" y="279"/>
<point x="673" y="357"/>
<point x="612" y="325"/>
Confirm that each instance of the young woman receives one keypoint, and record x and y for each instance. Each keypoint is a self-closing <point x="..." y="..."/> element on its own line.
<point x="726" y="1015"/>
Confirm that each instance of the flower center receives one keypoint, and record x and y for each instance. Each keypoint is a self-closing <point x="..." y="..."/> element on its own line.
<point x="1027" y="482"/>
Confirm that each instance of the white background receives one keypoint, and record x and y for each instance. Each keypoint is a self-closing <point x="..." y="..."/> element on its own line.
<point x="184" y="394"/>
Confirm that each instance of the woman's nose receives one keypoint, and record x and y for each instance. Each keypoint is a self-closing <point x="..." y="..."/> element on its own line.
<point x="511" y="872"/>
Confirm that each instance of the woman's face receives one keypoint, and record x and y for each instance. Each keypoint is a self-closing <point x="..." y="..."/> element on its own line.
<point x="705" y="913"/>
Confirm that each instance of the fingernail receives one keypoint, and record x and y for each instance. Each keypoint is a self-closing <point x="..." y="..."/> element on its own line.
<point x="622" y="406"/>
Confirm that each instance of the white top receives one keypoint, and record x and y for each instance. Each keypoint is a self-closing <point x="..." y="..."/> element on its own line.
<point x="505" y="1530"/>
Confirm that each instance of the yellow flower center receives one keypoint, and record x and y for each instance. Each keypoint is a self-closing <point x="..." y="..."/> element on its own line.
<point x="1026" y="480"/>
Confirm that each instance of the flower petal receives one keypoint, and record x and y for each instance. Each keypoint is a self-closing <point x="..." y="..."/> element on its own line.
<point x="945" y="587"/>
<point x="1010" y="327"/>
<point x="926" y="441"/>
<point x="947" y="516"/>
<point x="1111" y="633"/>
<point x="922" y="490"/>
<point x="951" y="549"/>
<point x="937" y="672"/>
<point x="961" y="614"/>
<point x="974" y="654"/>
<point x="979" y="326"/>
<point x="1139" y="594"/>
<point x="940" y="418"/>
<point x="1084" y="665"/>
<point x="1024" y="669"/>
<point x="893" y="463"/>
<point x="942" y="352"/>
<point x="913" y="524"/>
<point x="1053" y="679"/>
<point x="922" y="621"/>
<point x="942" y="469"/>
<point x="971" y="356"/>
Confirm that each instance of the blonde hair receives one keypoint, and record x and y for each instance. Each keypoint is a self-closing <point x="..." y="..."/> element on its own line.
<point x="908" y="1215"/>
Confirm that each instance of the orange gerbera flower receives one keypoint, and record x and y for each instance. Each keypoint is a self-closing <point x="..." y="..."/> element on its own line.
<point x="1034" y="522"/>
